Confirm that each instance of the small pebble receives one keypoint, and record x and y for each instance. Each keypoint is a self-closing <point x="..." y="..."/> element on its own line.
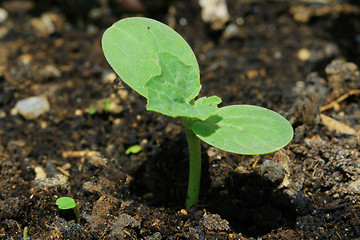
<point x="278" y="55"/>
<point x="26" y="58"/>
<point x="354" y="186"/>
<point x="273" y="171"/>
<point x="215" y="222"/>
<point x="183" y="22"/>
<point x="47" y="24"/>
<point x="2" y="114"/>
<point x="231" y="31"/>
<point x="3" y="32"/>
<point x="108" y="76"/>
<point x="40" y="173"/>
<point x="58" y="183"/>
<point x="214" y="12"/>
<point x="304" y="54"/>
<point x="183" y="211"/>
<point x="51" y="71"/>
<point x="3" y="15"/>
<point x="98" y="161"/>
<point x="32" y="107"/>
<point x="124" y="220"/>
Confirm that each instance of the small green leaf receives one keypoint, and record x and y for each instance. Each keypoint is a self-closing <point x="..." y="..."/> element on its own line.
<point x="92" y="110"/>
<point x="107" y="105"/>
<point x="65" y="203"/>
<point x="170" y="92"/>
<point x="245" y="129"/>
<point x="177" y="82"/>
<point x="131" y="47"/>
<point x="205" y="106"/>
<point x="133" y="149"/>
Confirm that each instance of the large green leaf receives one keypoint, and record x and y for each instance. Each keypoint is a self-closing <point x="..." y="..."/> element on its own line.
<point x="170" y="92"/>
<point x="131" y="46"/>
<point x="245" y="129"/>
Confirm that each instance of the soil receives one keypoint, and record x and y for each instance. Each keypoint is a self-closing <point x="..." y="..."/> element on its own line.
<point x="294" y="57"/>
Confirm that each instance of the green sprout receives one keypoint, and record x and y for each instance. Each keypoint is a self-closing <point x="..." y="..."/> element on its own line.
<point x="92" y="110"/>
<point x="157" y="63"/>
<point x="65" y="203"/>
<point x="25" y="233"/>
<point x="102" y="107"/>
<point x="107" y="105"/>
<point x="133" y="149"/>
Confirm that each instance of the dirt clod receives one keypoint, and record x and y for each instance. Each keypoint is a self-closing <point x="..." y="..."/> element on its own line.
<point x="214" y="222"/>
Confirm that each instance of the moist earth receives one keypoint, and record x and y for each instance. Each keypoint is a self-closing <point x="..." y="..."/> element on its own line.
<point x="298" y="58"/>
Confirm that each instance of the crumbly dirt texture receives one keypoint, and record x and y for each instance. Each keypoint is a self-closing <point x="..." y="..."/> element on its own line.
<point x="298" y="58"/>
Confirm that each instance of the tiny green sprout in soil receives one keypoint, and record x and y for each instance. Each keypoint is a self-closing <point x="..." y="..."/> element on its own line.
<point x="92" y="110"/>
<point x="65" y="203"/>
<point x="157" y="63"/>
<point x="107" y="105"/>
<point x="25" y="234"/>
<point x="133" y="149"/>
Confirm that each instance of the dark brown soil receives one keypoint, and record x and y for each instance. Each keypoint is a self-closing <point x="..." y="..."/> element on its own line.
<point x="276" y="54"/>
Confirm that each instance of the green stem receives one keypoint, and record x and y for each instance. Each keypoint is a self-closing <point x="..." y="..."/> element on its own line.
<point x="25" y="235"/>
<point x="194" y="163"/>
<point x="77" y="212"/>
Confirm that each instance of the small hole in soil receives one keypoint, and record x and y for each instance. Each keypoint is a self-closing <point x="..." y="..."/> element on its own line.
<point x="162" y="180"/>
<point x="67" y="214"/>
<point x="249" y="202"/>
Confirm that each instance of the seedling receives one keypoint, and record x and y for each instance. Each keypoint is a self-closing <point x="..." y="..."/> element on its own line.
<point x="92" y="110"/>
<point x="25" y="233"/>
<point x="65" y="203"/>
<point x="133" y="149"/>
<point x="107" y="106"/>
<point x="157" y="63"/>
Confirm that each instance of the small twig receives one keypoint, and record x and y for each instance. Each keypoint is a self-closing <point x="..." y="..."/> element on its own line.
<point x="337" y="233"/>
<point x="75" y="154"/>
<point x="313" y="199"/>
<point x="331" y="208"/>
<point x="340" y="99"/>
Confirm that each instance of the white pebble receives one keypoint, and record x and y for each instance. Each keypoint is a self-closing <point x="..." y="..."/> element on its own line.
<point x="3" y="15"/>
<point x="231" y="31"/>
<point x="32" y="107"/>
<point x="304" y="54"/>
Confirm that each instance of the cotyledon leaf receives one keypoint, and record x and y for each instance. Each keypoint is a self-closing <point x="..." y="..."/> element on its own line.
<point x="65" y="203"/>
<point x="131" y="47"/>
<point x="245" y="129"/>
<point x="170" y="92"/>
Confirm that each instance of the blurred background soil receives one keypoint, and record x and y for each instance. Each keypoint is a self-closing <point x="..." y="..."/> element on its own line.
<point x="66" y="121"/>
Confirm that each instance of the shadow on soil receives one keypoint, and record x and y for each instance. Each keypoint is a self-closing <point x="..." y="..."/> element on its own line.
<point x="345" y="32"/>
<point x="252" y="205"/>
<point x="249" y="202"/>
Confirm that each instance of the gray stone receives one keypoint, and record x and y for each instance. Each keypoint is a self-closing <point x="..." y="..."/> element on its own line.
<point x="124" y="221"/>
<point x="354" y="186"/>
<point x="33" y="107"/>
<point x="215" y="222"/>
<point x="3" y="15"/>
<point x="58" y="183"/>
<point x="273" y="171"/>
